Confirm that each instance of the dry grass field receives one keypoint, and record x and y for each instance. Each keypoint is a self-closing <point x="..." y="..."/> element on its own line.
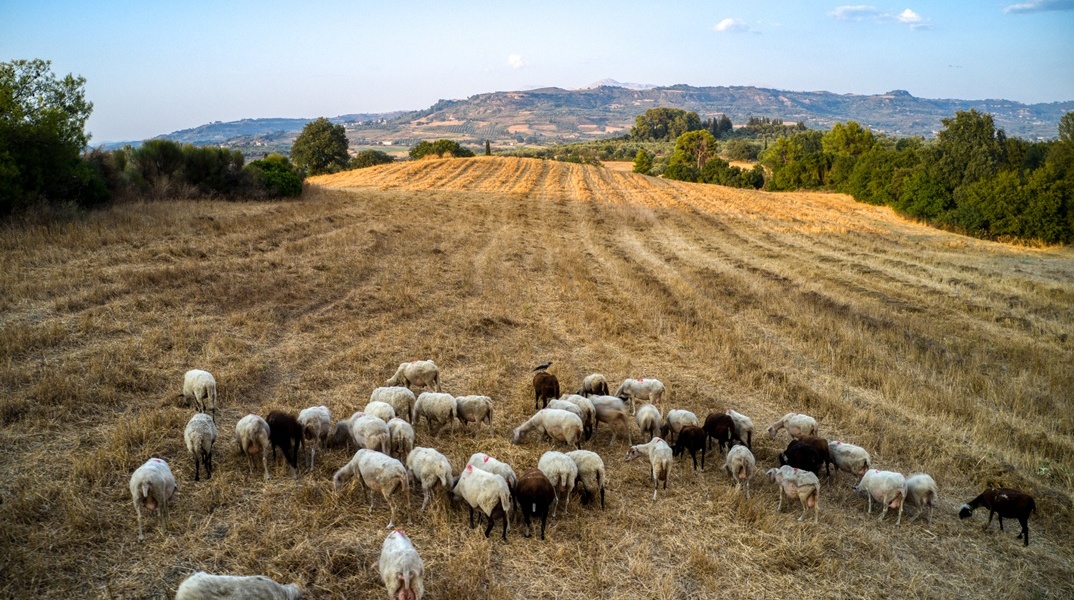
<point x="936" y="352"/>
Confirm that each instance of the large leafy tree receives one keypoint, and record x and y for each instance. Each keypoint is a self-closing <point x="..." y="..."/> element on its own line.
<point x="321" y="147"/>
<point x="664" y="124"/>
<point x="42" y="134"/>
<point x="694" y="148"/>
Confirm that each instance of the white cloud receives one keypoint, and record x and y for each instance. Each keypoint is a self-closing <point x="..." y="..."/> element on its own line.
<point x="909" y="17"/>
<point x="862" y="12"/>
<point x="1040" y="6"/>
<point x="515" y="61"/>
<point x="730" y="25"/>
<point x="854" y="13"/>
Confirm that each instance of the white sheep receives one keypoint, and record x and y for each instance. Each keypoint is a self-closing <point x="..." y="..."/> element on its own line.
<point x="569" y="407"/>
<point x="798" y="483"/>
<point x="430" y="468"/>
<point x="591" y="474"/>
<point x="203" y="586"/>
<point x="797" y="425"/>
<point x="675" y="420"/>
<point x="488" y="464"/>
<point x="199" y="435"/>
<point x="381" y="410"/>
<point x="438" y="410"/>
<point x="378" y="472"/>
<point x="401" y="399"/>
<point x="474" y="409"/>
<point x="252" y="436"/>
<point x="640" y="389"/>
<point x="152" y="487"/>
<point x="402" y="437"/>
<point x="423" y="373"/>
<point x="921" y="491"/>
<point x="648" y="418"/>
<point x="487" y="492"/>
<point x="401" y="568"/>
<point x="740" y="465"/>
<point x="848" y="457"/>
<point x="316" y="422"/>
<point x="887" y="487"/>
<point x="562" y="472"/>
<point x="557" y="424"/>
<point x="371" y="432"/>
<point x="589" y="412"/>
<point x="743" y="425"/>
<point x="612" y="410"/>
<point x="199" y="387"/>
<point x="594" y="384"/>
<point x="660" y="461"/>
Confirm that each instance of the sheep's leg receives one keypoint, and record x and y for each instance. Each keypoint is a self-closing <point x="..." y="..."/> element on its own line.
<point x="779" y="505"/>
<point x="555" y="503"/>
<point x="566" y="505"/>
<point x="992" y="513"/>
<point x="264" y="461"/>
<point x="804" y="499"/>
<point x="702" y="459"/>
<point x="388" y="498"/>
<point x="544" y="521"/>
<point x="902" y="503"/>
<point x="427" y="493"/>
<point x="747" y="489"/>
<point x="471" y="517"/>
<point x="1024" y="522"/>
<point x="884" y="512"/>
<point x="528" y="531"/>
<point x="209" y="465"/>
<point x="197" y="468"/>
<point x="1001" y="522"/>
<point x="870" y="503"/>
<point x="138" y="509"/>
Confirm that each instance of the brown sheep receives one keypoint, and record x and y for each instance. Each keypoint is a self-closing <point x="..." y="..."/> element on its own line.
<point x="545" y="387"/>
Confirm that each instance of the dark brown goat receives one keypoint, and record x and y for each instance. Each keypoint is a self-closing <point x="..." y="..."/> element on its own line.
<point x="692" y="438"/>
<point x="546" y="387"/>
<point x="721" y="428"/>
<point x="821" y="446"/>
<point x="534" y="494"/>
<point x="801" y="455"/>
<point x="285" y="433"/>
<point x="1005" y="502"/>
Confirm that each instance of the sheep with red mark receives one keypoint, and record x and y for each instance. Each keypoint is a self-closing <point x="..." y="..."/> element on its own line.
<point x="252" y="436"/>
<point x="887" y="487"/>
<point x="203" y="586"/>
<point x="480" y="460"/>
<point x="591" y="474"/>
<point x="796" y="483"/>
<point x="648" y="418"/>
<point x="416" y="373"/>
<point x="675" y="420"/>
<point x="474" y="409"/>
<point x="562" y="472"/>
<point x="545" y="387"/>
<point x="553" y="423"/>
<point x="797" y="425"/>
<point x="401" y="399"/>
<point x="486" y="492"/>
<point x="534" y="493"/>
<point x="921" y="492"/>
<point x="743" y="426"/>
<point x="660" y="460"/>
<point x="1008" y="503"/>
<point x="593" y="385"/>
<point x="377" y="472"/>
<point x="285" y="433"/>
<point x="850" y="458"/>
<point x="436" y="408"/>
<point x="691" y="438"/>
<point x="152" y="488"/>
<point x="401" y="436"/>
<point x="431" y="469"/>
<point x="651" y="390"/>
<point x="401" y="568"/>
<point x="612" y="410"/>
<point x="316" y="422"/>
<point x="740" y="465"/>
<point x="719" y="427"/>
<point x="199" y="435"/>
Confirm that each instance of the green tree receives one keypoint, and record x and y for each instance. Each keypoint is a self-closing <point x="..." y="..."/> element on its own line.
<point x="440" y="148"/>
<point x="274" y="176"/>
<point x="643" y="162"/>
<point x="321" y="147"/>
<point x="488" y="148"/>
<point x="369" y="158"/>
<point x="970" y="149"/>
<point x="739" y="149"/>
<point x="694" y="148"/>
<point x="664" y="124"/>
<point x="1066" y="128"/>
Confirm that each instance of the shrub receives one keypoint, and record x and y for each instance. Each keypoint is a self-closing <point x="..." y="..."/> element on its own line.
<point x="274" y="176"/>
<point x="369" y="158"/>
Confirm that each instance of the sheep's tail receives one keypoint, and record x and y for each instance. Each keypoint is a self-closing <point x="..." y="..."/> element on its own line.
<point x="619" y="390"/>
<point x="505" y="500"/>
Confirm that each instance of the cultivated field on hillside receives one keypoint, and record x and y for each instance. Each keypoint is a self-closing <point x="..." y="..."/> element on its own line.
<point x="936" y="352"/>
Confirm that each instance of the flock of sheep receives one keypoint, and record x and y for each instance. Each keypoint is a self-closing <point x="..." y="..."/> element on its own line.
<point x="386" y="461"/>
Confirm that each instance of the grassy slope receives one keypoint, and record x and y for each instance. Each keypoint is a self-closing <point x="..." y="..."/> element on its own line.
<point x="937" y="352"/>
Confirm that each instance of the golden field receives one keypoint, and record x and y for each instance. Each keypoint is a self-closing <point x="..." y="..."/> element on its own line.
<point x="936" y="352"/>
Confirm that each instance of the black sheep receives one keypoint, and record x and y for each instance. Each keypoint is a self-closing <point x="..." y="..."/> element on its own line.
<point x="285" y="433"/>
<point x="1007" y="503"/>
<point x="692" y="438"/>
<point x="801" y="455"/>
<point x="534" y="494"/>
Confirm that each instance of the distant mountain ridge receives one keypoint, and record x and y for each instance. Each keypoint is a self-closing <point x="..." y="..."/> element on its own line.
<point x="556" y="115"/>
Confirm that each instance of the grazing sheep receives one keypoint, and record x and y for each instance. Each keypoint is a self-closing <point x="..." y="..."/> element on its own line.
<point x="640" y="389"/>
<point x="380" y="410"/>
<point x="612" y="410"/>
<point x="488" y="464"/>
<point x="286" y="433"/>
<point x="487" y="492"/>
<point x="887" y="487"/>
<point x="402" y="438"/>
<point x="199" y="387"/>
<point x="800" y="484"/>
<point x="152" y="487"/>
<point x="556" y="424"/>
<point x="562" y="472"/>
<point x="591" y="474"/>
<point x="660" y="458"/>
<point x="675" y="420"/>
<point x="474" y="409"/>
<point x="589" y="412"/>
<point x="570" y="407"/>
<point x="401" y="568"/>
<point x="252" y="435"/>
<point x="378" y="472"/>
<point x="341" y="437"/>
<point x="691" y="438"/>
<point x="316" y="422"/>
<point x="743" y="425"/>
<point x="719" y="427"/>
<point x="801" y="455"/>
<point x="545" y="387"/>
<point x="534" y="494"/>
<point x="820" y="445"/>
<point x="848" y="457"/>
<point x="797" y="425"/>
<point x="431" y="469"/>
<point x="921" y="492"/>
<point x="371" y="432"/>
<point x="593" y="385"/>
<point x="740" y="465"/>
<point x="423" y="373"/>
<point x="648" y="418"/>
<point x="401" y="399"/>
<point x="203" y="586"/>
<point x="438" y="410"/>
<point x="1008" y="503"/>
<point x="200" y="434"/>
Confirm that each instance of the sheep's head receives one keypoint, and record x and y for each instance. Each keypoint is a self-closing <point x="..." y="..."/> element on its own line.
<point x="632" y="453"/>
<point x="772" y="474"/>
<point x="516" y="435"/>
<point x="965" y="511"/>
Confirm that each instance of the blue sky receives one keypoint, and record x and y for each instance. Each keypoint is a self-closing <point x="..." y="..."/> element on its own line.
<point x="156" y="67"/>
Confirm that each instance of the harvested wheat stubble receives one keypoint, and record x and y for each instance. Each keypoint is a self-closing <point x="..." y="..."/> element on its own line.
<point x="935" y="352"/>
